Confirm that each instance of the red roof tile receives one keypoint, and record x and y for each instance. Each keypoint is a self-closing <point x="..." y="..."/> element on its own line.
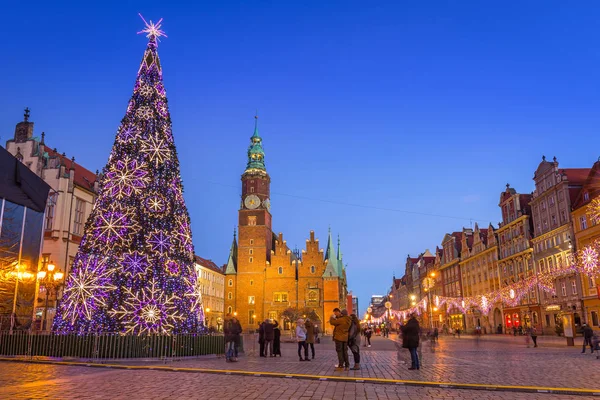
<point x="208" y="264"/>
<point x="83" y="177"/>
<point x="577" y="175"/>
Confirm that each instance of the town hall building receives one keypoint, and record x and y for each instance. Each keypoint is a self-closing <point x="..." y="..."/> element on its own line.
<point x="263" y="276"/>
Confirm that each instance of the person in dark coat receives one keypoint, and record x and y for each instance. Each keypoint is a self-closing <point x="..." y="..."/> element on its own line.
<point x="261" y="338"/>
<point x="310" y="335"/>
<point x="232" y="331"/>
<point x="588" y="334"/>
<point x="276" y="340"/>
<point x="269" y="337"/>
<point x="410" y="340"/>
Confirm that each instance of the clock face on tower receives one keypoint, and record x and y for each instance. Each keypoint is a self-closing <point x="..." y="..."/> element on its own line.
<point x="267" y="204"/>
<point x="252" y="202"/>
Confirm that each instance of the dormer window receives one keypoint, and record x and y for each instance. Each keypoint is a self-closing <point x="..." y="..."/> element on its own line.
<point x="586" y="196"/>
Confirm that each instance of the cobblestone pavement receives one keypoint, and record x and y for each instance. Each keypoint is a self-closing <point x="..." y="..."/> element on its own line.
<point x="497" y="360"/>
<point x="35" y="381"/>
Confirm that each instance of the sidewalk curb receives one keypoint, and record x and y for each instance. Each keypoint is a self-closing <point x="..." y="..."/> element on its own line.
<point x="328" y="378"/>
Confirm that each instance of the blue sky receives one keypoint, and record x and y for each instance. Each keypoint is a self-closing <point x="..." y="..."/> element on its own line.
<point x="365" y="110"/>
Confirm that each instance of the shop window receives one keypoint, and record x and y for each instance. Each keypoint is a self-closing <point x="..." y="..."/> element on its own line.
<point x="547" y="320"/>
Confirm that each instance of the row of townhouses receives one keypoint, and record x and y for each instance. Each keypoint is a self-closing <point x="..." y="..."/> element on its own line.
<point x="539" y="233"/>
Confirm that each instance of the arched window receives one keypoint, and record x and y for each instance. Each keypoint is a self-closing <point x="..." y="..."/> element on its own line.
<point x="229" y="310"/>
<point x="230" y="295"/>
<point x="280" y="270"/>
<point x="312" y="269"/>
<point x="230" y="283"/>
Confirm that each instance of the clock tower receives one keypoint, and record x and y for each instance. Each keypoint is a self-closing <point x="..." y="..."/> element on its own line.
<point x="255" y="235"/>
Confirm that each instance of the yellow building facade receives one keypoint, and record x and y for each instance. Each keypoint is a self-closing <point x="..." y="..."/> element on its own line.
<point x="587" y="231"/>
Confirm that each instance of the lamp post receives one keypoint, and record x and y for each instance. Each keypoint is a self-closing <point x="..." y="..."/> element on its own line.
<point x="369" y="311"/>
<point x="206" y="317"/>
<point x="51" y="279"/>
<point x="388" y="305"/>
<point x="428" y="284"/>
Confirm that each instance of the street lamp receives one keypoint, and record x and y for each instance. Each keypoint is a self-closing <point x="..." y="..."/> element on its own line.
<point x="428" y="284"/>
<point x="388" y="305"/>
<point x="50" y="279"/>
<point x="21" y="274"/>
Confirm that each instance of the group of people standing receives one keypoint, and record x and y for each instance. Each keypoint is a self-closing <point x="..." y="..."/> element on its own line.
<point x="232" y="330"/>
<point x="269" y="338"/>
<point x="306" y="335"/>
<point x="346" y="335"/>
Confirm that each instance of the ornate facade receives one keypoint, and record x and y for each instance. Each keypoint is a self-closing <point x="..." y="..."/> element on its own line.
<point x="264" y="277"/>
<point x="70" y="201"/>
<point x="555" y="191"/>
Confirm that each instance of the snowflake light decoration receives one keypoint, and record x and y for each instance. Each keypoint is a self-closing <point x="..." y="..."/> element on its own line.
<point x="593" y="210"/>
<point x="157" y="149"/>
<point x="115" y="226"/>
<point x="588" y="258"/>
<point x="195" y="294"/>
<point x="135" y="263"/>
<point x="127" y="134"/>
<point x="156" y="205"/>
<point x="159" y="242"/>
<point x="148" y="311"/>
<point x="87" y="288"/>
<point x="126" y="177"/>
<point x="184" y="235"/>
<point x="146" y="90"/>
<point x="145" y="112"/>
<point x="161" y="106"/>
<point x="172" y="267"/>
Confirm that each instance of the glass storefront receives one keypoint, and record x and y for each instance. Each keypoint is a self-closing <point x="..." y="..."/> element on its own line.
<point x="20" y="245"/>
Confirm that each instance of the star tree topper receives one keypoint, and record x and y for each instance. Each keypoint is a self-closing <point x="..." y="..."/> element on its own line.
<point x="152" y="29"/>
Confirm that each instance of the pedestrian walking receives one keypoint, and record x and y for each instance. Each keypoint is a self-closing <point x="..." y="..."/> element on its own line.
<point x="436" y="334"/>
<point x="354" y="341"/>
<point x="533" y="334"/>
<point x="276" y="340"/>
<point x="588" y="334"/>
<point x="310" y="336"/>
<point x="301" y="339"/>
<point x="341" y="322"/>
<point x="368" y="334"/>
<point x="410" y="340"/>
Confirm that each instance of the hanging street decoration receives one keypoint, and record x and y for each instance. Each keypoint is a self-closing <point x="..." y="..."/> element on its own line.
<point x="586" y="261"/>
<point x="134" y="271"/>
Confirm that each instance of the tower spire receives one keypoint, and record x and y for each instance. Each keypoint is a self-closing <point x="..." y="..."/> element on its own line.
<point x="256" y="154"/>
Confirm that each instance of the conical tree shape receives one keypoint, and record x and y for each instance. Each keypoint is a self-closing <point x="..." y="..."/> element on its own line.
<point x="134" y="271"/>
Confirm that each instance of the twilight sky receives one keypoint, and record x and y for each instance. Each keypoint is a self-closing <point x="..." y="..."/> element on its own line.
<point x="393" y="123"/>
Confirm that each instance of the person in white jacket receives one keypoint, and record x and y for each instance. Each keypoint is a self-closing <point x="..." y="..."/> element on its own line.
<point x="301" y="338"/>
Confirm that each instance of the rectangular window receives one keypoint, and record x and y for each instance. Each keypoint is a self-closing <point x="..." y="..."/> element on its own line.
<point x="563" y="288"/>
<point x="547" y="320"/>
<point x="252" y="220"/>
<point x="251" y="317"/>
<point x="251" y="241"/>
<point x="50" y="209"/>
<point x="79" y="213"/>
<point x="573" y="287"/>
<point x="251" y="251"/>
<point x="276" y="297"/>
<point x="251" y="300"/>
<point x="273" y="315"/>
<point x="583" y="222"/>
<point x="594" y="318"/>
<point x="592" y="282"/>
<point x="284" y="297"/>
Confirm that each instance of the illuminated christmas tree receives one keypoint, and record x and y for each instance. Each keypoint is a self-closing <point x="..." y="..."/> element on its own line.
<point x="134" y="271"/>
